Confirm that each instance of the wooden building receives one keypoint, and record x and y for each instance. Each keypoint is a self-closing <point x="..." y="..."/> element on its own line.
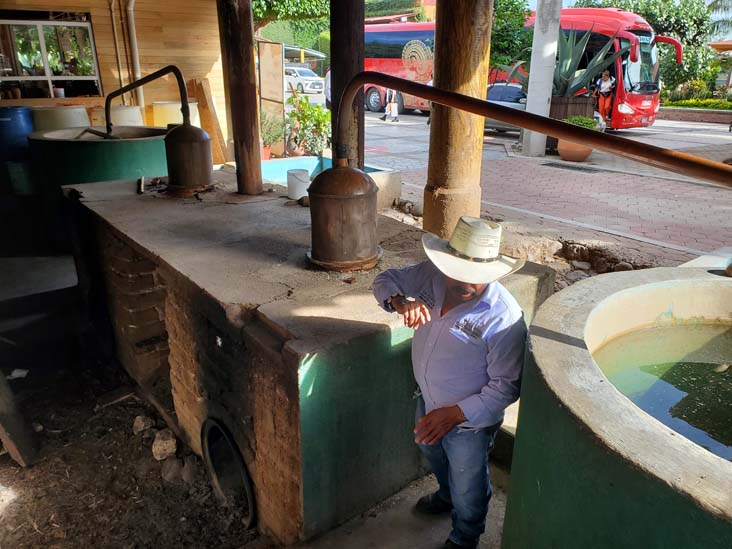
<point x="183" y="33"/>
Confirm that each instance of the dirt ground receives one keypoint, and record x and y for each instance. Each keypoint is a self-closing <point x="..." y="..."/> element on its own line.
<point x="95" y="483"/>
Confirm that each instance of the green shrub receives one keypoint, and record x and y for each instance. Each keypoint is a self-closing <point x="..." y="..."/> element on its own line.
<point x="697" y="89"/>
<point x="719" y="104"/>
<point x="582" y="122"/>
<point x="272" y="128"/>
<point x="313" y="122"/>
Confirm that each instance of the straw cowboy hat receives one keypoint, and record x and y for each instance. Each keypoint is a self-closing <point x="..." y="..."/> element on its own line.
<point x="471" y="255"/>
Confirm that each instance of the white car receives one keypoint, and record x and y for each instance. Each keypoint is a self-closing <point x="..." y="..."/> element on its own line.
<point x="303" y="80"/>
<point x="513" y="97"/>
<point x="506" y="95"/>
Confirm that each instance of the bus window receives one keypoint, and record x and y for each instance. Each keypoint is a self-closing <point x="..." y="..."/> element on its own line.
<point x="642" y="76"/>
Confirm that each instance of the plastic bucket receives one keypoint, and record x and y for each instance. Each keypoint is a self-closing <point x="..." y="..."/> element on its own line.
<point x="122" y="115"/>
<point x="168" y="112"/>
<point x="58" y="118"/>
<point x="298" y="182"/>
<point x="15" y="126"/>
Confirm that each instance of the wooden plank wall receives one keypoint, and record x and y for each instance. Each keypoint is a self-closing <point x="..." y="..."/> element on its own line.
<point x="183" y="33"/>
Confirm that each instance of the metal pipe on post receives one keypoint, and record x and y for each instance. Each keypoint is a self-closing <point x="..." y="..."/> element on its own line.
<point x="116" y="46"/>
<point x="343" y="198"/>
<point x="666" y="159"/>
<point x="347" y="51"/>
<point x="456" y="137"/>
<point x="134" y="50"/>
<point x="236" y="30"/>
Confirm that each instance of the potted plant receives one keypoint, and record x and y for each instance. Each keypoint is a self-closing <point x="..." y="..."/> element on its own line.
<point x="574" y="152"/>
<point x="271" y="130"/>
<point x="571" y="85"/>
<point x="309" y="126"/>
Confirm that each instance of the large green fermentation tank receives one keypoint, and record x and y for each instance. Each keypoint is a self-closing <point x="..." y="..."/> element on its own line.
<point x="75" y="155"/>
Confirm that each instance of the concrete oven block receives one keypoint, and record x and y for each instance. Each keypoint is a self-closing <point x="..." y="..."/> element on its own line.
<point x="312" y="379"/>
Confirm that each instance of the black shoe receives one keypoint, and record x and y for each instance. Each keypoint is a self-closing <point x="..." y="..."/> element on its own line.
<point x="395" y="120"/>
<point x="383" y="118"/>
<point x="433" y="504"/>
<point x="449" y="544"/>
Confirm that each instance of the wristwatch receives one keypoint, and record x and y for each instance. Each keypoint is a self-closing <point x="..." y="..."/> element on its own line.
<point x="388" y="302"/>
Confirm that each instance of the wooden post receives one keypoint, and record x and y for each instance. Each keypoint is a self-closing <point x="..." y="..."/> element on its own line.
<point x="15" y="432"/>
<point x="346" y="58"/>
<point x="237" y="41"/>
<point x="462" y="51"/>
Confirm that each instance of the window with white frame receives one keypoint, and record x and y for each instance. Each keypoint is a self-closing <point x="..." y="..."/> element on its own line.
<point x="47" y="59"/>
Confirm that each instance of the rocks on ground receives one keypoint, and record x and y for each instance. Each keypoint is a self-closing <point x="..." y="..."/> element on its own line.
<point x="142" y="423"/>
<point x="164" y="445"/>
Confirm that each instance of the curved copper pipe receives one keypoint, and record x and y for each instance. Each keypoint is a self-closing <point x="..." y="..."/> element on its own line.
<point x="658" y="157"/>
<point x="182" y="91"/>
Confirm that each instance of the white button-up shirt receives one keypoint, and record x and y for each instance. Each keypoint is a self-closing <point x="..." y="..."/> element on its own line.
<point x="472" y="356"/>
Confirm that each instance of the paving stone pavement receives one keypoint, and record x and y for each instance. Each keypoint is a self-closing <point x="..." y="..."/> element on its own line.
<point x="678" y="216"/>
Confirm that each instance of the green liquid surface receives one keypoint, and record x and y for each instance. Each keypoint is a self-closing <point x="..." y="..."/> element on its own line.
<point x="679" y="374"/>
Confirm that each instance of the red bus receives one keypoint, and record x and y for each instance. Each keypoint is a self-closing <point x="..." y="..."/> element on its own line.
<point x="405" y="50"/>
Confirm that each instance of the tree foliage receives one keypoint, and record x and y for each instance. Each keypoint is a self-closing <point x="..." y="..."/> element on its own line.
<point x="266" y="11"/>
<point x="378" y="8"/>
<point x="508" y="35"/>
<point x="689" y="21"/>
<point x="721" y="16"/>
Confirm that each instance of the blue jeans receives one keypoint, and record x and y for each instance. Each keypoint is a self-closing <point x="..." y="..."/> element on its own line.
<point x="460" y="463"/>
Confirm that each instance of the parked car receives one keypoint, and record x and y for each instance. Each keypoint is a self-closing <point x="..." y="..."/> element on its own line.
<point x="513" y="96"/>
<point x="506" y="95"/>
<point x="303" y="79"/>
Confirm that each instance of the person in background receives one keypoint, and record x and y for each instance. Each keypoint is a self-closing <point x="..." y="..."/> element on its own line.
<point x="467" y="358"/>
<point x="327" y="88"/>
<point x="430" y="83"/>
<point x="604" y="88"/>
<point x="392" y="106"/>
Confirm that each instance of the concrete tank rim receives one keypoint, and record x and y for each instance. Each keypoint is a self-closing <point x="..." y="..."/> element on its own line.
<point x="557" y="347"/>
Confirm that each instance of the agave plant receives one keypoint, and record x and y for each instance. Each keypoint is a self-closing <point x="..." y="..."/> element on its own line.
<point x="568" y="79"/>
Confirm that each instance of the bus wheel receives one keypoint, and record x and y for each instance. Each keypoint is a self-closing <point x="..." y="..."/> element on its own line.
<point x="373" y="100"/>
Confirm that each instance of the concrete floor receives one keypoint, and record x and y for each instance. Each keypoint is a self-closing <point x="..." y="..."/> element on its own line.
<point x="393" y="524"/>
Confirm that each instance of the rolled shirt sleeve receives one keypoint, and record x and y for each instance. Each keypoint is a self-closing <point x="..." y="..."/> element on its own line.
<point x="504" y="360"/>
<point x="408" y="282"/>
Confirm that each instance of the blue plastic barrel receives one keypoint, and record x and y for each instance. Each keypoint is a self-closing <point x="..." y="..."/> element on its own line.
<point x="15" y="126"/>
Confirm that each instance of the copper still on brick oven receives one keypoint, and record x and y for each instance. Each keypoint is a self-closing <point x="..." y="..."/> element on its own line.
<point x="187" y="147"/>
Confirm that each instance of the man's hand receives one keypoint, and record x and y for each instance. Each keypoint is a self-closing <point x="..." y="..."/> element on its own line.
<point x="435" y="425"/>
<point x="415" y="313"/>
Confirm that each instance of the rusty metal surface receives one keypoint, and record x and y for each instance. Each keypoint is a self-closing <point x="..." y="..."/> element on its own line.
<point x="658" y="157"/>
<point x="343" y="219"/>
<point x="190" y="162"/>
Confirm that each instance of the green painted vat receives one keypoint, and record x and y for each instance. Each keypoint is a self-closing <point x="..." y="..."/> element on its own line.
<point x="70" y="156"/>
<point x="590" y="468"/>
<point x="74" y="155"/>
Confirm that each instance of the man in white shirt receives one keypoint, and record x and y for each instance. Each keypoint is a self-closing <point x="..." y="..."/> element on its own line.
<point x="467" y="357"/>
<point x="327" y="88"/>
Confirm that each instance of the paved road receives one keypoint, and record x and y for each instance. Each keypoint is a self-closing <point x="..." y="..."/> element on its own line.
<point x="609" y="195"/>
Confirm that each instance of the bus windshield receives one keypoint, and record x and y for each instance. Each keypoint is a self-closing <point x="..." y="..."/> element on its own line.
<point x="642" y="76"/>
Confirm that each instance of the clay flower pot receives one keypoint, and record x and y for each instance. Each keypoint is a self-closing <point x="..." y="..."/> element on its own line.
<point x="572" y="151"/>
<point x="266" y="152"/>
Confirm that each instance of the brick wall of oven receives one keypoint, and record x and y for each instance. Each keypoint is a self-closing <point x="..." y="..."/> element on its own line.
<point x="232" y="369"/>
<point x="136" y="301"/>
<point x="216" y="363"/>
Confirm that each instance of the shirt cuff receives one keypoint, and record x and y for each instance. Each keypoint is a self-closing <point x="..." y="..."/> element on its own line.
<point x="474" y="410"/>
